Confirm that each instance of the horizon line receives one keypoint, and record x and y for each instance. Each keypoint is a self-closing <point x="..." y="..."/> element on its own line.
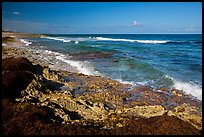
<point x="97" y="33"/>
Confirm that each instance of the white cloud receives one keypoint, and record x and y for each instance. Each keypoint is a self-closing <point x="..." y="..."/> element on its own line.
<point x="135" y="23"/>
<point x="16" y="13"/>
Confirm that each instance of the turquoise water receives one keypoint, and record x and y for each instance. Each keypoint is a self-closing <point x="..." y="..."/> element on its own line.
<point x="156" y="60"/>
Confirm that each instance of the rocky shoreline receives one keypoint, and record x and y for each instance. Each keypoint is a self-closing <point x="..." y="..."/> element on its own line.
<point x="40" y="100"/>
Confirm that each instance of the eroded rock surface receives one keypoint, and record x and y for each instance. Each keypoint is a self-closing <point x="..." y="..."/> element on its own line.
<point x="17" y="73"/>
<point x="190" y="114"/>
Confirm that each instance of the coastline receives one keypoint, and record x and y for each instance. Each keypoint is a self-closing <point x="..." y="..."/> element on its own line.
<point x="101" y="104"/>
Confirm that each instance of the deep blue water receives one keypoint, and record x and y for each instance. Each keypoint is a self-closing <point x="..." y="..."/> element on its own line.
<point x="157" y="60"/>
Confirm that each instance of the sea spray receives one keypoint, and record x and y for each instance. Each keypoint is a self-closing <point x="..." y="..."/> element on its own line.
<point x="26" y="42"/>
<point x="80" y="66"/>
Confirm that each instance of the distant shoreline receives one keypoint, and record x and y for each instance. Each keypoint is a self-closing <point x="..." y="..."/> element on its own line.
<point x="21" y="34"/>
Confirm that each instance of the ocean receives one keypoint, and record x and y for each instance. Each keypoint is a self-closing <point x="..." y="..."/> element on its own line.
<point x="156" y="60"/>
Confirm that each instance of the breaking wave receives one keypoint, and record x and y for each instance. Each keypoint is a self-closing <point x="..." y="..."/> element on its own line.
<point x="188" y="87"/>
<point x="148" y="41"/>
<point x="129" y="40"/>
<point x="60" y="39"/>
<point x="26" y="42"/>
<point x="83" y="67"/>
<point x="111" y="39"/>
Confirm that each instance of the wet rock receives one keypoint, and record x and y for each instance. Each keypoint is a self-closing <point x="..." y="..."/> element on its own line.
<point x="52" y="85"/>
<point x="176" y="93"/>
<point x="163" y="89"/>
<point x="140" y="89"/>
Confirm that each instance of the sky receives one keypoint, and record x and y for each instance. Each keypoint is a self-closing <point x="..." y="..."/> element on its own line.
<point x="103" y="17"/>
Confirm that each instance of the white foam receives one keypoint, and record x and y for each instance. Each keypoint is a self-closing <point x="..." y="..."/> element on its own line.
<point x="51" y="52"/>
<point x="42" y="37"/>
<point x="110" y="39"/>
<point x="26" y="42"/>
<point x="94" y="45"/>
<point x="125" y="82"/>
<point x="132" y="83"/>
<point x="129" y="40"/>
<point x="79" y="39"/>
<point x="187" y="87"/>
<point x="152" y="41"/>
<point x="82" y="67"/>
<point x="60" y="39"/>
<point x="70" y="39"/>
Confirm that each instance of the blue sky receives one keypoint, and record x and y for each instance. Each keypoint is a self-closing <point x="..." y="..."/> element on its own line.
<point x="102" y="17"/>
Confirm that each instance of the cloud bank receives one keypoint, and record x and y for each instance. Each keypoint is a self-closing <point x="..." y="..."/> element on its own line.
<point x="16" y="13"/>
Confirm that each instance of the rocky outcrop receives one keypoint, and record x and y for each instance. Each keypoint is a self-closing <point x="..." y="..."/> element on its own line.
<point x="27" y="119"/>
<point x="17" y="73"/>
<point x="17" y="64"/>
<point x="190" y="114"/>
<point x="7" y="39"/>
<point x="14" y="82"/>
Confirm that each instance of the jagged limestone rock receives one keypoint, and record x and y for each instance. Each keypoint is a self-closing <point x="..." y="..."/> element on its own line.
<point x="142" y="111"/>
<point x="189" y="114"/>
